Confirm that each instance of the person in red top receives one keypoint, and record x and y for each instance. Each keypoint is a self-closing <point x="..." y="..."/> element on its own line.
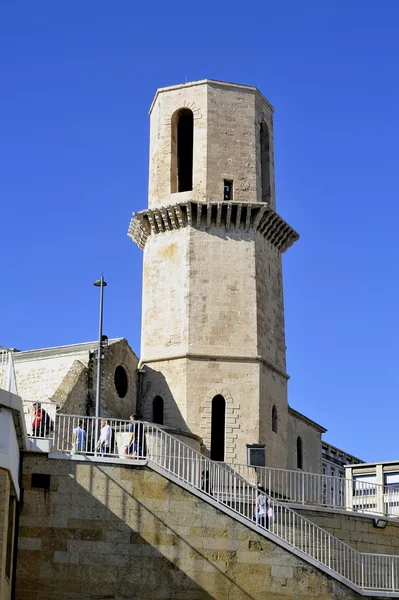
<point x="41" y="421"/>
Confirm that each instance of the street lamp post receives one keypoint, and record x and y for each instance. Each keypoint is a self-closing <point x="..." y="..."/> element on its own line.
<point x="101" y="283"/>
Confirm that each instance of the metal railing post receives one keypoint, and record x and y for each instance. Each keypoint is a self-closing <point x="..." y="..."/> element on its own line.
<point x="362" y="569"/>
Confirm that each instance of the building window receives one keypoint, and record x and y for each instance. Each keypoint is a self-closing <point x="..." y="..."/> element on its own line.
<point x="41" y="481"/>
<point x="299" y="453"/>
<point x="228" y="190"/>
<point x="157" y="410"/>
<point x="265" y="161"/>
<point x="274" y="419"/>
<point x="121" y="381"/>
<point x="182" y="151"/>
<point x="218" y="428"/>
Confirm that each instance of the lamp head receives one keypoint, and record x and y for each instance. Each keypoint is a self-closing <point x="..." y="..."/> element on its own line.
<point x="100" y="283"/>
<point x="380" y="523"/>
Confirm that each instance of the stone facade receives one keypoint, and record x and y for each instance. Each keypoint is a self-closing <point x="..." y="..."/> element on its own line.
<point x="357" y="530"/>
<point x="309" y="434"/>
<point x="66" y="376"/>
<point x="226" y="145"/>
<point x="119" y="532"/>
<point x="213" y="313"/>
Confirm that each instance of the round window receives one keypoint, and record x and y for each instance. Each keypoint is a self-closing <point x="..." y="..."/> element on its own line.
<point x="121" y="381"/>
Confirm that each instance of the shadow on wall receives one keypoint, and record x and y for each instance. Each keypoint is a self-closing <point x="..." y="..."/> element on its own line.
<point x="153" y="387"/>
<point x="116" y="533"/>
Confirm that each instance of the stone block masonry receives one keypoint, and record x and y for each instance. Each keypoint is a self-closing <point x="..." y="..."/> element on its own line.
<point x="122" y="532"/>
<point x="213" y="340"/>
<point x="357" y="530"/>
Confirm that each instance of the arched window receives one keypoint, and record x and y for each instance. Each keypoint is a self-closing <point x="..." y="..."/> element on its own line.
<point x="218" y="428"/>
<point x="265" y="161"/>
<point x="299" y="453"/>
<point x="274" y="419"/>
<point x="157" y="410"/>
<point x="121" y="381"/>
<point x="182" y="151"/>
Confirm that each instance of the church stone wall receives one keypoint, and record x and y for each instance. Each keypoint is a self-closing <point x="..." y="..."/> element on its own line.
<point x="273" y="392"/>
<point x="311" y="445"/>
<point x="213" y="299"/>
<point x="118" y="354"/>
<point x="227" y="120"/>
<point x="193" y="97"/>
<point x="165" y="293"/>
<point x="238" y="383"/>
<point x="264" y="113"/>
<point x="270" y="304"/>
<point x="231" y="142"/>
<point x="167" y="379"/>
<point x="39" y="378"/>
<point x="213" y="313"/>
<point x="68" y="378"/>
<point x="222" y="293"/>
<point x="108" y="531"/>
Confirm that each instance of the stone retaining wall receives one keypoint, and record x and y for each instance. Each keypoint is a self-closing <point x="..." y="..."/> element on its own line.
<point x="121" y="532"/>
<point x="357" y="530"/>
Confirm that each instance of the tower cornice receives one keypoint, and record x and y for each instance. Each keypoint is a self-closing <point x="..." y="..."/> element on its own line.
<point x="228" y="215"/>
<point x="226" y="84"/>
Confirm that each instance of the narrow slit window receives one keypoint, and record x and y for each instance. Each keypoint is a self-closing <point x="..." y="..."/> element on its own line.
<point x="299" y="453"/>
<point x="274" y="419"/>
<point x="265" y="161"/>
<point x="228" y="190"/>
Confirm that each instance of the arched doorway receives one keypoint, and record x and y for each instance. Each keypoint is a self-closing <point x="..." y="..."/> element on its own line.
<point x="218" y="428"/>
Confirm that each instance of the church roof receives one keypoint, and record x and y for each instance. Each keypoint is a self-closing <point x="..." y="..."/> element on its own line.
<point x="302" y="417"/>
<point x="24" y="355"/>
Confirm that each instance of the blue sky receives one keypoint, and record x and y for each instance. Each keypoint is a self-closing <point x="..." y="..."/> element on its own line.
<point x="77" y="82"/>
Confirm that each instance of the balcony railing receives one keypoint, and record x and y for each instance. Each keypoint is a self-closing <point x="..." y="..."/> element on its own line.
<point x="229" y="489"/>
<point x="298" y="487"/>
<point x="40" y="418"/>
<point x="7" y="374"/>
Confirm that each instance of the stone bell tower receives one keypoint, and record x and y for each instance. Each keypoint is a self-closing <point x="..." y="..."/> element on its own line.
<point x="213" y="341"/>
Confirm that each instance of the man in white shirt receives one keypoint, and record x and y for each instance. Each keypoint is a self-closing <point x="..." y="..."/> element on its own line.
<point x="261" y="512"/>
<point x="104" y="443"/>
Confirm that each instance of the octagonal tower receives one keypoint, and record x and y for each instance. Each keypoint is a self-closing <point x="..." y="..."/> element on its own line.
<point x="213" y="341"/>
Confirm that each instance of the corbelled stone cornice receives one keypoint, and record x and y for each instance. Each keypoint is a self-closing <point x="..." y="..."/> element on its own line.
<point x="226" y="215"/>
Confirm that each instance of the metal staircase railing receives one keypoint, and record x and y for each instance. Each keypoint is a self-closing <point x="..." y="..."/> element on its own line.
<point x="299" y="487"/>
<point x="375" y="574"/>
<point x="7" y="374"/>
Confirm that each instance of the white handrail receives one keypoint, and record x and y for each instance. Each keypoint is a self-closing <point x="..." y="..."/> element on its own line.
<point x="299" y="487"/>
<point x="8" y="381"/>
<point x="365" y="572"/>
<point x="39" y="418"/>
